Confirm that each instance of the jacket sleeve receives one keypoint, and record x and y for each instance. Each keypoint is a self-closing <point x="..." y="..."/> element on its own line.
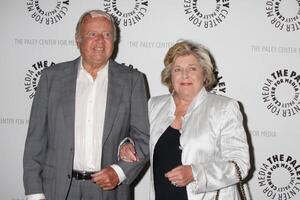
<point x="36" y="141"/>
<point x="232" y="144"/>
<point x="139" y="129"/>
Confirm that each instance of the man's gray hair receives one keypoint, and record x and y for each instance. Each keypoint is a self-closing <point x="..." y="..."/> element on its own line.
<point x="96" y="13"/>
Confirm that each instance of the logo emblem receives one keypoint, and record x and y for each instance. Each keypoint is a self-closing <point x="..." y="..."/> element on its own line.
<point x="33" y="75"/>
<point x="279" y="177"/>
<point x="47" y="12"/>
<point x="208" y="15"/>
<point x="283" y="14"/>
<point x="280" y="93"/>
<point x="126" y="13"/>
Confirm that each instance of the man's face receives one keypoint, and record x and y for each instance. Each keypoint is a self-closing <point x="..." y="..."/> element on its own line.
<point x="95" y="41"/>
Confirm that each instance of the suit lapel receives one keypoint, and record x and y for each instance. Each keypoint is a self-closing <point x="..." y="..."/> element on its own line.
<point x="68" y="100"/>
<point x="114" y="94"/>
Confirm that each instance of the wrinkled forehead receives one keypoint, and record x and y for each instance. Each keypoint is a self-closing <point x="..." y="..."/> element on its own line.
<point x="96" y="19"/>
<point x="96" y="14"/>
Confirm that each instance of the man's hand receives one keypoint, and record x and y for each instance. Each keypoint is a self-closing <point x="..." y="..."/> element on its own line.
<point x="128" y="153"/>
<point x="107" y="178"/>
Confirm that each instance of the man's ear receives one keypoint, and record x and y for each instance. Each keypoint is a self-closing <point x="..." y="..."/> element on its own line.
<point x="78" y="41"/>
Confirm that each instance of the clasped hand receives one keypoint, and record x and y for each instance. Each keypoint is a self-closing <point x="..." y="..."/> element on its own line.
<point x="180" y="176"/>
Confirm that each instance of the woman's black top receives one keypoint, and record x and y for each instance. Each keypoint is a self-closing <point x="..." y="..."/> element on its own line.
<point x="167" y="156"/>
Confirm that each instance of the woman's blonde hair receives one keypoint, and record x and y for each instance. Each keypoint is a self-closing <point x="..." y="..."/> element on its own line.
<point x="184" y="48"/>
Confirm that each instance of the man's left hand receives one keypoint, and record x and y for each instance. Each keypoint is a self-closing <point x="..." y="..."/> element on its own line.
<point x="107" y="178"/>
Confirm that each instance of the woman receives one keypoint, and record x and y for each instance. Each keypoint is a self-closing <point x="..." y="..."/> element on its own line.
<point x="194" y="135"/>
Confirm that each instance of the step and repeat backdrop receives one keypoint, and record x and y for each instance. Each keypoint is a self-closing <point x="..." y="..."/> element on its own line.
<point x="255" y="44"/>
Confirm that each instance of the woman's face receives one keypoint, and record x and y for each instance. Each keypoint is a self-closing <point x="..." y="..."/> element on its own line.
<point x="187" y="76"/>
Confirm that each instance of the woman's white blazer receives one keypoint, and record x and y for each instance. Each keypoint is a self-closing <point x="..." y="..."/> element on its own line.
<point x="212" y="135"/>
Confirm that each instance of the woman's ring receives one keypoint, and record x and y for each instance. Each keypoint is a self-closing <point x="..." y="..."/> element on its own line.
<point x="174" y="183"/>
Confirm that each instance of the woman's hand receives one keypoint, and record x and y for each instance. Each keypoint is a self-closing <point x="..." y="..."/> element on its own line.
<point x="180" y="176"/>
<point x="128" y="153"/>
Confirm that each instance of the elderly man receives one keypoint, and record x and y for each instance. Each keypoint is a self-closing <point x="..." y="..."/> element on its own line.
<point x="82" y="111"/>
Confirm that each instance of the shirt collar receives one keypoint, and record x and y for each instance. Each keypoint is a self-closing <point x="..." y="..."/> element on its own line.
<point x="81" y="68"/>
<point x="197" y="100"/>
<point x="194" y="104"/>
